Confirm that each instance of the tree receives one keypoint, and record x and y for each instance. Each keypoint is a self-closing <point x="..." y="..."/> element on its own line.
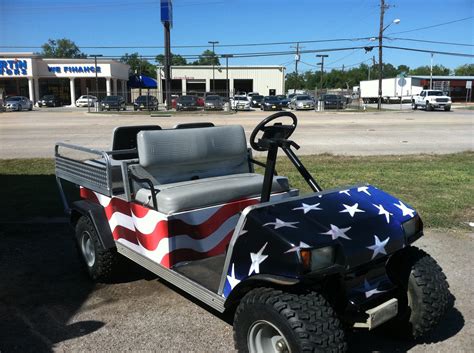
<point x="438" y="70"/>
<point x="208" y="57"/>
<point x="403" y="68"/>
<point x="176" y="60"/>
<point x="294" y="81"/>
<point x="138" y="65"/>
<point x="61" y="48"/>
<point x="464" y="70"/>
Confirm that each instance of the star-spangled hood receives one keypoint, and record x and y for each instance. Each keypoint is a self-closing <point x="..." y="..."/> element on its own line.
<point x="363" y="222"/>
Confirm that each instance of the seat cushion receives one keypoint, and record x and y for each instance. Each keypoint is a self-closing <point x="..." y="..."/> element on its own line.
<point x="177" y="197"/>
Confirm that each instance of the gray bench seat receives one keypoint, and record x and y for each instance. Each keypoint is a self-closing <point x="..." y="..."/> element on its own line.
<point x="186" y="195"/>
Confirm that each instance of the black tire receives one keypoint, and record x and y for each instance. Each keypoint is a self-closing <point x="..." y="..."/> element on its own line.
<point x="414" y="106"/>
<point x="105" y="262"/>
<point x="305" y="322"/>
<point x="429" y="107"/>
<point x="447" y="109"/>
<point x="426" y="296"/>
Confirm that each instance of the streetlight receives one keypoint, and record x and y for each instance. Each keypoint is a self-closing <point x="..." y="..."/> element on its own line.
<point x="322" y="56"/>
<point x="382" y="29"/>
<point x="227" y="56"/>
<point x="213" y="42"/>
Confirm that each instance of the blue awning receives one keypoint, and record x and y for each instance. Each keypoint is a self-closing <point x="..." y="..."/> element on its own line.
<point x="142" y="81"/>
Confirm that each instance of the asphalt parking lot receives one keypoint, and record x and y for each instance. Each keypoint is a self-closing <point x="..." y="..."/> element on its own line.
<point x="33" y="134"/>
<point x="47" y="303"/>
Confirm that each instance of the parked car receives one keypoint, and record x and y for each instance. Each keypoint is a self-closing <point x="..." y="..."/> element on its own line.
<point x="145" y="102"/>
<point x="113" y="103"/>
<point x="284" y="100"/>
<point x="18" y="103"/>
<point x="86" y="100"/>
<point x="302" y="101"/>
<point x="271" y="103"/>
<point x="187" y="103"/>
<point x="50" y="100"/>
<point x="332" y="101"/>
<point x="431" y="99"/>
<point x="256" y="101"/>
<point x="214" y="103"/>
<point x="239" y="103"/>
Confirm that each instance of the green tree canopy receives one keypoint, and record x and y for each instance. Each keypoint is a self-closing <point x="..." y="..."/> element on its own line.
<point x="176" y="59"/>
<point x="208" y="57"/>
<point x="438" y="70"/>
<point x="138" y="65"/>
<point x="61" y="48"/>
<point x="464" y="70"/>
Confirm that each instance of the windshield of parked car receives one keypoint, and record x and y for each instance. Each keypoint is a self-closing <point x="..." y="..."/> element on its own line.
<point x="435" y="93"/>
<point x="331" y="96"/>
<point x="213" y="98"/>
<point x="257" y="98"/>
<point x="48" y="97"/>
<point x="281" y="96"/>
<point x="240" y="98"/>
<point x="303" y="98"/>
<point x="271" y="99"/>
<point x="111" y="99"/>
<point x="144" y="99"/>
<point x="187" y="98"/>
<point x="14" y="99"/>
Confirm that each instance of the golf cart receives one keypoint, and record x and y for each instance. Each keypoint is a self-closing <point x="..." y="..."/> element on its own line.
<point x="293" y="271"/>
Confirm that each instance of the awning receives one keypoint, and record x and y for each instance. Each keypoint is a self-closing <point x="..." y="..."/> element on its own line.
<point x="141" y="81"/>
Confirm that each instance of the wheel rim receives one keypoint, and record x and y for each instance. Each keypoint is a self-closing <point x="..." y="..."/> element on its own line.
<point x="87" y="248"/>
<point x="265" y="337"/>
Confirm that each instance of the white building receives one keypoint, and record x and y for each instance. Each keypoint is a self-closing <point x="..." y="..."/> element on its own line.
<point x="30" y="75"/>
<point x="266" y="80"/>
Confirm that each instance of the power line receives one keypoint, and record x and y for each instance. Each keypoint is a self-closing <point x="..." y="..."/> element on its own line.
<point x="430" y="41"/>
<point x="431" y="51"/>
<point x="433" y="26"/>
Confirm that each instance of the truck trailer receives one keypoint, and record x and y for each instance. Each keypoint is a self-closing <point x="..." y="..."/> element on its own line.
<point x="393" y="89"/>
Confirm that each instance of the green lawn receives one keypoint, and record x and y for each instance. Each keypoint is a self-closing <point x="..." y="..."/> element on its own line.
<point x="441" y="187"/>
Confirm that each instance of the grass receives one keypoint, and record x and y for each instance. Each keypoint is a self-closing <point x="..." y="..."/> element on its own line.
<point x="441" y="187"/>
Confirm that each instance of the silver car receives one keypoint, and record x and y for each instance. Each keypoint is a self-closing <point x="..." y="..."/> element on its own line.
<point x="18" y="103"/>
<point x="301" y="101"/>
<point x="213" y="103"/>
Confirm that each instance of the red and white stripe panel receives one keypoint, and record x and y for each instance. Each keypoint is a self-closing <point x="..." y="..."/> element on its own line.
<point x="169" y="240"/>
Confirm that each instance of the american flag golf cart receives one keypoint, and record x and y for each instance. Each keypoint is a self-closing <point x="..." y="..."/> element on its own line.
<point x="294" y="272"/>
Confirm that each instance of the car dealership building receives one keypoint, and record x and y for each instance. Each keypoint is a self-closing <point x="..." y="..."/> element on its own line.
<point x="190" y="79"/>
<point x="30" y="75"/>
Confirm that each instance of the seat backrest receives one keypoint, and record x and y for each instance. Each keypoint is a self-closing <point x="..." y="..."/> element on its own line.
<point x="125" y="137"/>
<point x="186" y="154"/>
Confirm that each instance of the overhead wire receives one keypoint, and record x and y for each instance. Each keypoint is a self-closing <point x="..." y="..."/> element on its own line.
<point x="433" y="26"/>
<point x="430" y="41"/>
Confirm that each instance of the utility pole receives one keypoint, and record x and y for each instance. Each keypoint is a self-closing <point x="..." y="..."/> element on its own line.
<point x="227" y="56"/>
<point x="322" y="56"/>
<point x="297" y="56"/>
<point x="383" y="7"/>
<point x="213" y="42"/>
<point x="95" y="70"/>
<point x="167" y="65"/>
<point x="431" y="72"/>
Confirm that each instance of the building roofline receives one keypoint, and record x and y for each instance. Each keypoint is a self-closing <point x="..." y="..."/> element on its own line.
<point x="224" y="66"/>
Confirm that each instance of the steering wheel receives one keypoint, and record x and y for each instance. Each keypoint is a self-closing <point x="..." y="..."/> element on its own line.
<point x="276" y="130"/>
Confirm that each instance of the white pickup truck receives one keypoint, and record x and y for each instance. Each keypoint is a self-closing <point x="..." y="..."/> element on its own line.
<point x="430" y="99"/>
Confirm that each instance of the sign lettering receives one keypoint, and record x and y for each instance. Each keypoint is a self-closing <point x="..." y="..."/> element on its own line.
<point x="13" y="67"/>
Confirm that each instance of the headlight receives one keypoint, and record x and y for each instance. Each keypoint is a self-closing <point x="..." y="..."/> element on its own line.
<point x="413" y="229"/>
<point x="317" y="259"/>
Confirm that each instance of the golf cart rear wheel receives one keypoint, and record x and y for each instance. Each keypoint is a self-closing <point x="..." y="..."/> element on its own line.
<point x="269" y="320"/>
<point x="99" y="262"/>
<point x="426" y="295"/>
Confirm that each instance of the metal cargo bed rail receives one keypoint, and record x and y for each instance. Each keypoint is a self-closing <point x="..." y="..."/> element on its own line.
<point x="92" y="174"/>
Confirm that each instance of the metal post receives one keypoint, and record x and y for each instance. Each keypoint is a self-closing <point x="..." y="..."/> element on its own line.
<point x="213" y="64"/>
<point x="167" y="66"/>
<point x="322" y="56"/>
<point x="88" y="100"/>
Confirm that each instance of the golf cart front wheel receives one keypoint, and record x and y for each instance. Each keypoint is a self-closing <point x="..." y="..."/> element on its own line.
<point x="425" y="294"/>
<point x="269" y="320"/>
<point x="99" y="262"/>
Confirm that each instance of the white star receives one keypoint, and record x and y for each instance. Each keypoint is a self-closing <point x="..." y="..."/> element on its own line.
<point x="298" y="248"/>
<point x="369" y="289"/>
<point x="257" y="259"/>
<point x="232" y="280"/>
<point x="280" y="224"/>
<point x="378" y="247"/>
<point x="337" y="232"/>
<point x="406" y="211"/>
<point x="352" y="210"/>
<point x="306" y="208"/>
<point x="364" y="189"/>
<point x="345" y="192"/>
<point x="383" y="211"/>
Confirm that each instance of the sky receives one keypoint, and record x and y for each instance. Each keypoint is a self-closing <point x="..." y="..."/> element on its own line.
<point x="30" y="23"/>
